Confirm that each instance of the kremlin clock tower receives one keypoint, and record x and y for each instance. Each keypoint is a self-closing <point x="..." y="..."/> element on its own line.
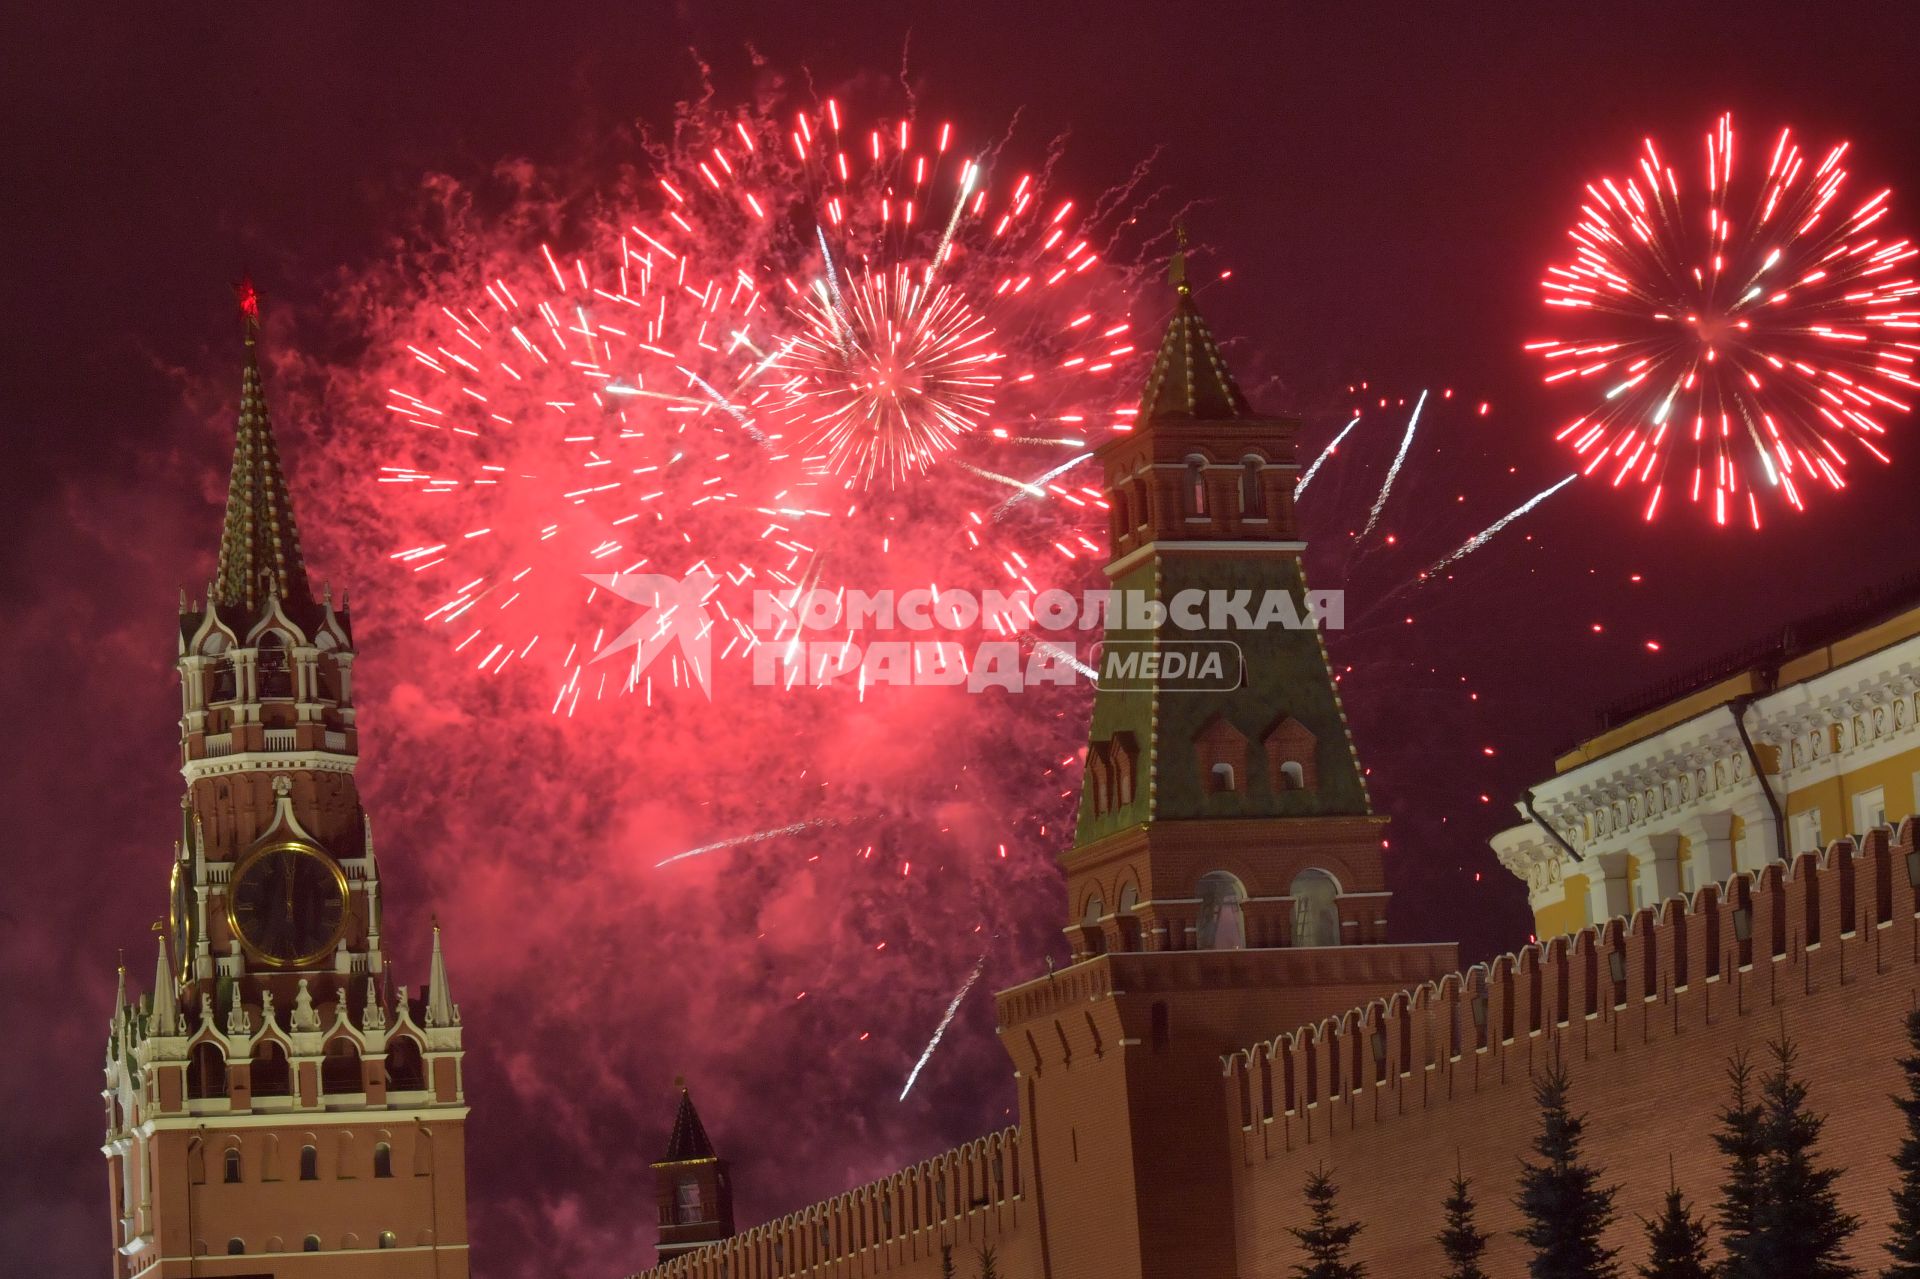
<point x="279" y="1103"/>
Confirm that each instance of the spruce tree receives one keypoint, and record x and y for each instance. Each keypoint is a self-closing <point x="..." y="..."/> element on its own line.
<point x="946" y="1261"/>
<point x="1325" y="1239"/>
<point x="1566" y="1209"/>
<point x="1802" y="1231"/>
<point x="1462" y="1241"/>
<point x="1677" y="1242"/>
<point x="1904" y="1247"/>
<point x="1743" y="1142"/>
<point x="989" y="1265"/>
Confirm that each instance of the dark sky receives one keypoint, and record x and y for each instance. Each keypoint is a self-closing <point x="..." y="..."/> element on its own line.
<point x="1385" y="186"/>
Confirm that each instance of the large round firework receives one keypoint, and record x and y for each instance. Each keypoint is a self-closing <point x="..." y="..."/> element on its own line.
<point x="1747" y="334"/>
<point x="816" y="354"/>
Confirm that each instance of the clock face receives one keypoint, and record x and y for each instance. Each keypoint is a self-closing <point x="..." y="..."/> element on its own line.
<point x="287" y="904"/>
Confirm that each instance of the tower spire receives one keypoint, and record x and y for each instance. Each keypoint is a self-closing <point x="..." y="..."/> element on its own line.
<point x="1190" y="381"/>
<point x="166" y="1008"/>
<point x="441" y="1010"/>
<point x="259" y="544"/>
<point x="689" y="1140"/>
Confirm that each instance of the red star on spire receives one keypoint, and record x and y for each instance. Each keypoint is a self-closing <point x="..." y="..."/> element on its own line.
<point x="249" y="299"/>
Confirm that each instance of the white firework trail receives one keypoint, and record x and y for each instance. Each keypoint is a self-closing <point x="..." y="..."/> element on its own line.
<point x="1027" y="490"/>
<point x="945" y="1021"/>
<point x="755" y="838"/>
<point x="1486" y="535"/>
<point x="1393" y="472"/>
<point x="1325" y="453"/>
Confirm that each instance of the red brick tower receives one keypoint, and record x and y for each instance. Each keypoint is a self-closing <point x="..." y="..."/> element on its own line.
<point x="279" y="1104"/>
<point x="693" y="1186"/>
<point x="1226" y="878"/>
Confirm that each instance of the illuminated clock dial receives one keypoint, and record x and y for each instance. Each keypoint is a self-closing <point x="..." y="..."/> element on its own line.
<point x="287" y="903"/>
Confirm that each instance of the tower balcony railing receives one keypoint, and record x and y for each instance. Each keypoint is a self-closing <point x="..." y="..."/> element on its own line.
<point x="336" y="741"/>
<point x="281" y="739"/>
<point x="219" y="744"/>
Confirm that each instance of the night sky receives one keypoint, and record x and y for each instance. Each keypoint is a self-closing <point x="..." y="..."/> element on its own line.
<point x="1384" y="192"/>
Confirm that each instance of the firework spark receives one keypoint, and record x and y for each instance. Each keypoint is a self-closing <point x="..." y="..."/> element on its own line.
<point x="1746" y="336"/>
<point x="1492" y="530"/>
<point x="1393" y="471"/>
<point x="940" y="1031"/>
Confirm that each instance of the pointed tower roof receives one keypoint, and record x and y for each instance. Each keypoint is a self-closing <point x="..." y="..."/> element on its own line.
<point x="259" y="545"/>
<point x="689" y="1141"/>
<point x="440" y="1006"/>
<point x="1190" y="380"/>
<point x="166" y="1007"/>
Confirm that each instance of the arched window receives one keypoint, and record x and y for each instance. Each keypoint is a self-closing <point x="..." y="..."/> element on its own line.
<point x="309" y="1164"/>
<point x="389" y="1240"/>
<point x="382" y="1159"/>
<point x="269" y="1072"/>
<point x="236" y="1247"/>
<point x="232" y="1158"/>
<point x="310" y="1244"/>
<point x="340" y="1068"/>
<point x="406" y="1072"/>
<point x="1220" y="777"/>
<point x="1196" y="486"/>
<point x="221" y="684"/>
<point x="1253" y="492"/>
<point x="206" y="1072"/>
<point x="687" y="1208"/>
<point x="1316" y="917"/>
<point x="1223" y="921"/>
<point x="275" y="667"/>
<point x="1293" y="775"/>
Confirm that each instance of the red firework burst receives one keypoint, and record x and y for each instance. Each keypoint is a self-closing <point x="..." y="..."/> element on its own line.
<point x="1751" y="333"/>
<point x="757" y="377"/>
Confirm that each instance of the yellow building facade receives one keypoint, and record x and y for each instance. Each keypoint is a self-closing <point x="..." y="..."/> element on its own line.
<point x="1809" y="739"/>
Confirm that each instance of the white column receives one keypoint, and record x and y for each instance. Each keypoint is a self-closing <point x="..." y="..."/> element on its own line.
<point x="1760" y="838"/>
<point x="1710" y="846"/>
<point x="1609" y="891"/>
<point x="1659" y="875"/>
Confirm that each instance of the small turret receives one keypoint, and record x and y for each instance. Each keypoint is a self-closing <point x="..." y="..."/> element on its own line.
<point x="693" y="1184"/>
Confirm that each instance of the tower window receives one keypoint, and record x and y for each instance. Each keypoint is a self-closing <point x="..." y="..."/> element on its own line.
<point x="1196" y="486"/>
<point x="389" y="1240"/>
<point x="309" y="1164"/>
<point x="1316" y="916"/>
<point x="382" y="1160"/>
<point x="310" y="1244"/>
<point x="275" y="667"/>
<point x="340" y="1068"/>
<point x="236" y="1247"/>
<point x="232" y="1166"/>
<point x="1253" y="493"/>
<point x="686" y="1201"/>
<point x="206" y="1072"/>
<point x="1220" y="778"/>
<point x="269" y="1073"/>
<point x="405" y="1071"/>
<point x="221" y="684"/>
<point x="1223" y="920"/>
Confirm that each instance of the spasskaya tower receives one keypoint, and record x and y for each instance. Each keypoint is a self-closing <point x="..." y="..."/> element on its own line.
<point x="279" y="1103"/>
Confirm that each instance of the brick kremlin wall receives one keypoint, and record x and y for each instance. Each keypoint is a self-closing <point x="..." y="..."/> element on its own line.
<point x="1646" y="1013"/>
<point x="967" y="1198"/>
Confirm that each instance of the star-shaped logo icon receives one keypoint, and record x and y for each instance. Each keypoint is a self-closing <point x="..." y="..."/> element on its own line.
<point x="676" y="615"/>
